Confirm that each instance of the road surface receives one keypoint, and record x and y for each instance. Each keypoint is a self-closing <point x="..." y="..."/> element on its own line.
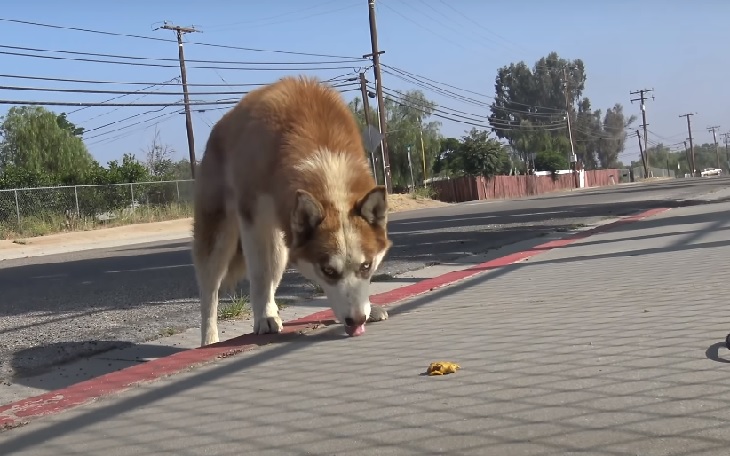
<point x="60" y="307"/>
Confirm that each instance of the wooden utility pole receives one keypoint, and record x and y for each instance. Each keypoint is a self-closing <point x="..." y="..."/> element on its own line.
<point x="643" y="156"/>
<point x="180" y="31"/>
<point x="714" y="138"/>
<point x="689" y="161"/>
<point x="642" y="98"/>
<point x="727" y="153"/>
<point x="691" y="144"/>
<point x="375" y="55"/>
<point x="573" y="158"/>
<point x="366" y="111"/>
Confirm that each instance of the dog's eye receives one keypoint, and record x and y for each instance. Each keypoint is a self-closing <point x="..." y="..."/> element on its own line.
<point x="329" y="271"/>
<point x="364" y="267"/>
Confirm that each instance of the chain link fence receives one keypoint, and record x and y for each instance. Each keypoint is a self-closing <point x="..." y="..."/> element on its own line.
<point x="653" y="172"/>
<point x="44" y="210"/>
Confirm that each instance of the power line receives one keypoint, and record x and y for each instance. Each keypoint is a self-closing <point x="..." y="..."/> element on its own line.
<point x="417" y="77"/>
<point x="155" y="59"/>
<point x="77" y="103"/>
<point x="153" y="38"/>
<point x="457" y="116"/>
<point x="121" y="96"/>
<point x="124" y="92"/>
<point x="162" y="65"/>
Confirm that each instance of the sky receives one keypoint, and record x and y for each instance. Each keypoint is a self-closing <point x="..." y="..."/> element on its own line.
<point x="674" y="47"/>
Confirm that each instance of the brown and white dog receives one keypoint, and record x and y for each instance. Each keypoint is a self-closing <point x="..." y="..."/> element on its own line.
<point x="285" y="179"/>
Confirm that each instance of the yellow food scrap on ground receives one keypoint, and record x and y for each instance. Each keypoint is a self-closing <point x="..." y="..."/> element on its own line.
<point x="442" y="368"/>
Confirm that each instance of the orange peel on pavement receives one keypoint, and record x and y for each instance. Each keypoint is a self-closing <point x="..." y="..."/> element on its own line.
<point x="442" y="368"/>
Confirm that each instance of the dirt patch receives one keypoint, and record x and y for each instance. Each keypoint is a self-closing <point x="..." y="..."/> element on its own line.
<point x="400" y="202"/>
<point x="146" y="232"/>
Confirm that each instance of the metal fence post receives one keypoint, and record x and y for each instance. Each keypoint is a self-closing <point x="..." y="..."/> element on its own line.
<point x="131" y="191"/>
<point x="177" y="186"/>
<point x="76" y="197"/>
<point x="17" y="206"/>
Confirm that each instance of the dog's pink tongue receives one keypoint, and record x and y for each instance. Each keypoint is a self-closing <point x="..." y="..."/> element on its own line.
<point x="355" y="330"/>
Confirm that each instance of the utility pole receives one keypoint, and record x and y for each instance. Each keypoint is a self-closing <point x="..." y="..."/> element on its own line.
<point x="642" y="98"/>
<point x="689" y="161"/>
<point x="691" y="144"/>
<point x="366" y="111"/>
<point x="375" y="55"/>
<point x="180" y="31"/>
<point x="643" y="156"/>
<point x="727" y="153"/>
<point x="573" y="158"/>
<point x="714" y="138"/>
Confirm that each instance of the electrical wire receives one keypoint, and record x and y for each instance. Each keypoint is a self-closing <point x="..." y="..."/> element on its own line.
<point x="162" y="65"/>
<point x="167" y="40"/>
<point x="77" y="103"/>
<point x="152" y="59"/>
<point x="125" y="92"/>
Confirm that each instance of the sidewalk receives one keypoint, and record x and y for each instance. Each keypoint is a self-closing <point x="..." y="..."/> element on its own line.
<point x="612" y="344"/>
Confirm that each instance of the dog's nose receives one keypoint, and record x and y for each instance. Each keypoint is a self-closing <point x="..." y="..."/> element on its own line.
<point x="349" y="321"/>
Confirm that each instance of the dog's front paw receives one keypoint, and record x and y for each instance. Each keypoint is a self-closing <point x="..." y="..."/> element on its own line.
<point x="267" y="325"/>
<point x="377" y="313"/>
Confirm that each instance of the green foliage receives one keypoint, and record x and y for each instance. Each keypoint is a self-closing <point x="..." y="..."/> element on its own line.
<point x="409" y="133"/>
<point x="475" y="154"/>
<point x="35" y="140"/>
<point x="482" y="155"/>
<point x="661" y="156"/>
<point x="551" y="160"/>
<point x="529" y="111"/>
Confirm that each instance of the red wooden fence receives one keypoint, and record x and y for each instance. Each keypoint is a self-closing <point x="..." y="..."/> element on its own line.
<point x="466" y="188"/>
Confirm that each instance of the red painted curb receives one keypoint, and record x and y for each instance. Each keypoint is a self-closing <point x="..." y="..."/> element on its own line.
<point x="20" y="412"/>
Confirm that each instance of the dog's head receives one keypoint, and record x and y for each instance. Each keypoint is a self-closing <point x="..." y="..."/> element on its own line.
<point x="339" y="245"/>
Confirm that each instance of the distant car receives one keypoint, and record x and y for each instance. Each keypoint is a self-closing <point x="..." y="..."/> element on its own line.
<point x="711" y="172"/>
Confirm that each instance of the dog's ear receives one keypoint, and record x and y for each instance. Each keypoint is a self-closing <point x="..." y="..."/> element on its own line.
<point x="306" y="216"/>
<point x="373" y="207"/>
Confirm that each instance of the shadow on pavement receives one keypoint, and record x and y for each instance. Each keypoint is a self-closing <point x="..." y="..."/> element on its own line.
<point x="49" y="377"/>
<point x="149" y="289"/>
<point x="82" y="418"/>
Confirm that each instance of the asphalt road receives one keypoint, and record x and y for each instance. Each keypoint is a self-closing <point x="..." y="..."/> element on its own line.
<point x="57" y="308"/>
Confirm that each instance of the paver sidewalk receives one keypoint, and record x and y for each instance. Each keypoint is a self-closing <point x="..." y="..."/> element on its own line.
<point x="612" y="345"/>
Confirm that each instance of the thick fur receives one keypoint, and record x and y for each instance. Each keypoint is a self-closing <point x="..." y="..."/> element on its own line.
<point x="285" y="180"/>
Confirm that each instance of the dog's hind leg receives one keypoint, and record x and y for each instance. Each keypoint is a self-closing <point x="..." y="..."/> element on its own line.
<point x="266" y="259"/>
<point x="215" y="241"/>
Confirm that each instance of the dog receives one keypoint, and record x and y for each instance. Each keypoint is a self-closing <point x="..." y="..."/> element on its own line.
<point x="284" y="180"/>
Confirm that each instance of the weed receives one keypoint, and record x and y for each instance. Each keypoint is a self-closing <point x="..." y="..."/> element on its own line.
<point x="42" y="223"/>
<point x="237" y="307"/>
<point x="167" y="332"/>
<point x="423" y="193"/>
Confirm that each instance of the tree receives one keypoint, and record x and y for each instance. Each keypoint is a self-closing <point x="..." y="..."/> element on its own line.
<point x="34" y="139"/>
<point x="529" y="111"/>
<point x="409" y="133"/>
<point x="65" y="124"/>
<point x="481" y="155"/>
<point x="448" y="161"/>
<point x="613" y="141"/>
<point x="529" y="100"/>
<point x="159" y="159"/>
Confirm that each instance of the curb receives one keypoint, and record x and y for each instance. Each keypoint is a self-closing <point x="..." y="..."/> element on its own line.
<point x="53" y="402"/>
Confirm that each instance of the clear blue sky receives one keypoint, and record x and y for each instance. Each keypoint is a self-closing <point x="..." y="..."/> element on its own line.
<point x="676" y="47"/>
